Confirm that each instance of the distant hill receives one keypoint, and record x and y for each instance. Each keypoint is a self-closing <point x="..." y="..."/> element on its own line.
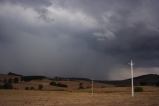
<point x="149" y="80"/>
<point x="29" y="78"/>
<point x="144" y="80"/>
<point x="10" y="73"/>
<point x="69" y="79"/>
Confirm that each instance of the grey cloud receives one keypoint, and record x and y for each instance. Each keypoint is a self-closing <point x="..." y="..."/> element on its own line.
<point x="30" y="3"/>
<point x="86" y="38"/>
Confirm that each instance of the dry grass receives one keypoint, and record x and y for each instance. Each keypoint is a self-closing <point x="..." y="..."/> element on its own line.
<point x="65" y="98"/>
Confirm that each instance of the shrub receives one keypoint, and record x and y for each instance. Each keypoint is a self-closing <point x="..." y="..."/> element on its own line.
<point x="1" y="87"/>
<point x="81" y="86"/>
<point x="8" y="86"/>
<point x="61" y="85"/>
<point x="5" y="81"/>
<point x="143" y="83"/>
<point x="32" y="88"/>
<point x="157" y="84"/>
<point x="16" y="80"/>
<point x="138" y="89"/>
<point x="40" y="87"/>
<point x="53" y="83"/>
<point x="26" y="88"/>
<point x="10" y="80"/>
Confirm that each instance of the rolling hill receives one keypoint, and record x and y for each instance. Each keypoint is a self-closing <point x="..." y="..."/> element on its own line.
<point x="144" y="80"/>
<point x="61" y="83"/>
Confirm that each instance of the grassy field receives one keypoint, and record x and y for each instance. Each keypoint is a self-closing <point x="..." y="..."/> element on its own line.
<point x="112" y="96"/>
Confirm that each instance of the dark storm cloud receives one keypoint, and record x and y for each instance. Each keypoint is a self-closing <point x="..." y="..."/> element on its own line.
<point x="84" y="38"/>
<point x="30" y="3"/>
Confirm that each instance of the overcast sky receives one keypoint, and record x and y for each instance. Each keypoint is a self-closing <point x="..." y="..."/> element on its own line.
<point x="79" y="38"/>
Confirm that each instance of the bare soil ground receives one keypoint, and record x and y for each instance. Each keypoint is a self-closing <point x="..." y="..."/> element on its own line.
<point x="150" y="97"/>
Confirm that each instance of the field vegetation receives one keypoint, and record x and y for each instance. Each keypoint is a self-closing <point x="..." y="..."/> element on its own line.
<point x="110" y="96"/>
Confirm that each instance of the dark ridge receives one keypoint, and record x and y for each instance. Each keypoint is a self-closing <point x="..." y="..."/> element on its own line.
<point x="10" y="73"/>
<point x="144" y="80"/>
<point x="149" y="79"/>
<point x="69" y="79"/>
<point x="29" y="78"/>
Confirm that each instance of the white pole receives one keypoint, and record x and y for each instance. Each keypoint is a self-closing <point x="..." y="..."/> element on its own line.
<point x="132" y="78"/>
<point x="92" y="87"/>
